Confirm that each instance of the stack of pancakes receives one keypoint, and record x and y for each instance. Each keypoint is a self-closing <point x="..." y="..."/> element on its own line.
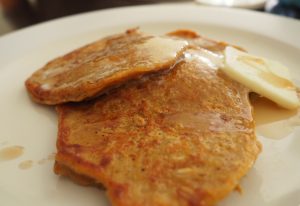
<point x="151" y="118"/>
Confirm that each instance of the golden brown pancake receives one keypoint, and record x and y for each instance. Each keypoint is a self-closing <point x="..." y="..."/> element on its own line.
<point x="198" y="40"/>
<point x="88" y="71"/>
<point x="182" y="138"/>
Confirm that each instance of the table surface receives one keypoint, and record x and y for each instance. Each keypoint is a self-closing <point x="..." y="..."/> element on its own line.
<point x="16" y="14"/>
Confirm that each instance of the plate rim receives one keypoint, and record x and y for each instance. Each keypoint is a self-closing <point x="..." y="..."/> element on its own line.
<point x="60" y="22"/>
<point x="270" y="25"/>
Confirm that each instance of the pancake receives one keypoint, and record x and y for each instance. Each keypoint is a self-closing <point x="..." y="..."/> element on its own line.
<point x="179" y="138"/>
<point x="197" y="40"/>
<point x="88" y="71"/>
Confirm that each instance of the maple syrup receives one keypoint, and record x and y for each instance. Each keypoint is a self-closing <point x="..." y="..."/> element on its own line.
<point x="11" y="153"/>
<point x="273" y="121"/>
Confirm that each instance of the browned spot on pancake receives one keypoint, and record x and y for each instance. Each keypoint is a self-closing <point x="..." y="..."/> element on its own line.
<point x="239" y="189"/>
<point x="118" y="190"/>
<point x="105" y="161"/>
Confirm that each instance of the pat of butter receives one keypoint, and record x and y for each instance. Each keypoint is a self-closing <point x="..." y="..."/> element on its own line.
<point x="264" y="76"/>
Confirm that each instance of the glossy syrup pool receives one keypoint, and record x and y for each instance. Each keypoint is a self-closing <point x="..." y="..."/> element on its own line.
<point x="11" y="153"/>
<point x="273" y="121"/>
<point x="27" y="164"/>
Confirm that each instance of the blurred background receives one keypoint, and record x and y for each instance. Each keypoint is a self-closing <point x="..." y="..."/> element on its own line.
<point x="16" y="14"/>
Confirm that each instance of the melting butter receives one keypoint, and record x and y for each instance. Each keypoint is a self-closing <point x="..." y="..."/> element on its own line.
<point x="207" y="58"/>
<point x="263" y="76"/>
<point x="161" y="48"/>
<point x="265" y="72"/>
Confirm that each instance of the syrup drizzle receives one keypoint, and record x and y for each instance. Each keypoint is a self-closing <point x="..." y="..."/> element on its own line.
<point x="273" y="121"/>
<point x="26" y="164"/>
<point x="11" y="153"/>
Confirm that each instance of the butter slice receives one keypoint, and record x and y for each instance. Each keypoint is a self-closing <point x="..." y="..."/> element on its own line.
<point x="266" y="77"/>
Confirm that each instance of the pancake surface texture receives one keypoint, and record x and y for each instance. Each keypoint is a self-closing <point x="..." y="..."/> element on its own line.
<point x="181" y="138"/>
<point x="88" y="71"/>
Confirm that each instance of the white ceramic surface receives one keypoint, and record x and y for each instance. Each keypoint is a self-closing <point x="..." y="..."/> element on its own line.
<point x="275" y="177"/>
<point x="249" y="4"/>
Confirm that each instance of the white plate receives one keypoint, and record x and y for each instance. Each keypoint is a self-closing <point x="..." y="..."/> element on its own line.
<point x="275" y="178"/>
<point x="249" y="4"/>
